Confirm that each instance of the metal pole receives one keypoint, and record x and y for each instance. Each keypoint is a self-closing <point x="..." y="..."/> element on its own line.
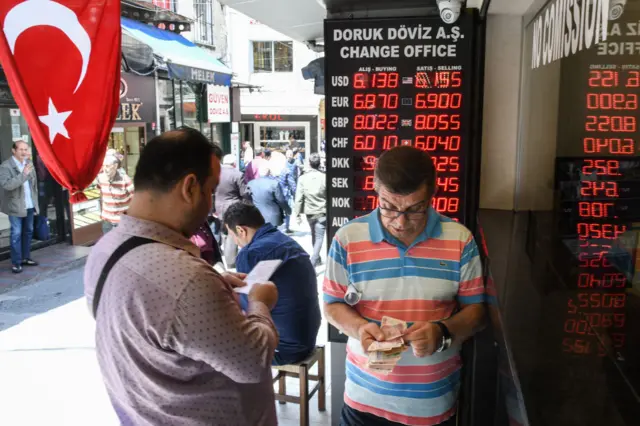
<point x="158" y="118"/>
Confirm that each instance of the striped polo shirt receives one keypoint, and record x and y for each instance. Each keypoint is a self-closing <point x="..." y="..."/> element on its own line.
<point x="426" y="281"/>
<point x="116" y="196"/>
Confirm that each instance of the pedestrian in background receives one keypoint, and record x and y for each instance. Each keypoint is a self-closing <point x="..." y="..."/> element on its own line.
<point x="268" y="198"/>
<point x="311" y="200"/>
<point x="20" y="184"/>
<point x="230" y="190"/>
<point x="247" y="155"/>
<point x="116" y="190"/>
<point x="288" y="181"/>
<point x="251" y="171"/>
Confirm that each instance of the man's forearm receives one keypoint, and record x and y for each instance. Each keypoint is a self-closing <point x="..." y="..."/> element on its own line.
<point x="344" y="318"/>
<point x="466" y="323"/>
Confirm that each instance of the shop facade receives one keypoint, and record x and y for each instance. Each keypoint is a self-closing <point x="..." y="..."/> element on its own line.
<point x="52" y="198"/>
<point x="134" y="126"/>
<point x="273" y="131"/>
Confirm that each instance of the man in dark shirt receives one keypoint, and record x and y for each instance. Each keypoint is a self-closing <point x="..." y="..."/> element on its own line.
<point x="230" y="190"/>
<point x="297" y="313"/>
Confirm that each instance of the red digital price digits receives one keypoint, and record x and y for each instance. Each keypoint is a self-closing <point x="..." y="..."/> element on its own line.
<point x="595" y="210"/>
<point x="446" y="204"/>
<point x="605" y="123"/>
<point x="437" y="122"/>
<point x="375" y="100"/>
<point x="369" y="162"/>
<point x="606" y="231"/>
<point x="366" y="203"/>
<point x="615" y="101"/>
<point x="438" y="80"/>
<point x="448" y="184"/>
<point x="370" y="142"/>
<point x="599" y="189"/>
<point x="601" y="300"/>
<point x="609" y="146"/>
<point x="438" y="100"/>
<point x="609" y="280"/>
<point x="446" y="164"/>
<point x="376" y="122"/>
<point x="595" y="260"/>
<point x="376" y="80"/>
<point x="612" y="79"/>
<point x="364" y="183"/>
<point x="601" y="167"/>
<point x="434" y="143"/>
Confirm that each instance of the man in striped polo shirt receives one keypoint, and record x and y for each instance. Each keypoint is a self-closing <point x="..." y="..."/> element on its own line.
<point x="116" y="190"/>
<point x="405" y="261"/>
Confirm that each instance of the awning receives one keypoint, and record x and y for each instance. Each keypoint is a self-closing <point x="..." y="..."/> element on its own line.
<point x="183" y="59"/>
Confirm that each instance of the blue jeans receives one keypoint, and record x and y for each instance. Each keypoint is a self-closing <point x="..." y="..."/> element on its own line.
<point x="21" y="234"/>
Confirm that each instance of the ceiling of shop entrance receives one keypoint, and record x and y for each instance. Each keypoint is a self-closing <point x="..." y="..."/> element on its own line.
<point x="302" y="20"/>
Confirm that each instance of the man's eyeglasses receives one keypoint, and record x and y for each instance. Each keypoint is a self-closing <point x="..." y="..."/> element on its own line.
<point x="409" y="214"/>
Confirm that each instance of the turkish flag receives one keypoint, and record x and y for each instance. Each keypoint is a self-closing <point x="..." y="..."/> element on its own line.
<point x="62" y="61"/>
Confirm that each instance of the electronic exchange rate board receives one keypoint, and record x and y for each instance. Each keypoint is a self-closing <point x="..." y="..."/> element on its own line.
<point x="391" y="82"/>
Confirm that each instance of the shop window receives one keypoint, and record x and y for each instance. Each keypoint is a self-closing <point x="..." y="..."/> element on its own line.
<point x="272" y="56"/>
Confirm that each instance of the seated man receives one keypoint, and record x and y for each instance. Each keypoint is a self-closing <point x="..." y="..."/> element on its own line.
<point x="297" y="313"/>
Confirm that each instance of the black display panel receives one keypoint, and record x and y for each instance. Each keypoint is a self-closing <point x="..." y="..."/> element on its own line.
<point x="390" y="82"/>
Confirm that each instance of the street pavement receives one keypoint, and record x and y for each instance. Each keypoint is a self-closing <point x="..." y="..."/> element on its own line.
<point x="48" y="369"/>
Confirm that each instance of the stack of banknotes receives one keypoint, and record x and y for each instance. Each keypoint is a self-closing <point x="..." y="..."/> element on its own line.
<point x="383" y="356"/>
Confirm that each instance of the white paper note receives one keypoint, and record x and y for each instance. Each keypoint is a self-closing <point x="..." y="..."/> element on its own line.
<point x="261" y="273"/>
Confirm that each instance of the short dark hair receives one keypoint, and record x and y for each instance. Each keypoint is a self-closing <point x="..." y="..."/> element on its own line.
<point x="217" y="151"/>
<point x="171" y="156"/>
<point x="314" y="161"/>
<point x="267" y="153"/>
<point x="404" y="169"/>
<point x="243" y="213"/>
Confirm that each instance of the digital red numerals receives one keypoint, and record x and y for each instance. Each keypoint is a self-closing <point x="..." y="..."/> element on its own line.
<point x="375" y="100"/>
<point x="378" y="80"/>
<point x="437" y="122"/>
<point x="605" y="123"/>
<point x="438" y="80"/>
<point x="375" y="122"/>
<point x="440" y="100"/>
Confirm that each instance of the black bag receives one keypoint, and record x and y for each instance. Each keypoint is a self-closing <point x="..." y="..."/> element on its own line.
<point x="124" y="248"/>
<point x="41" y="228"/>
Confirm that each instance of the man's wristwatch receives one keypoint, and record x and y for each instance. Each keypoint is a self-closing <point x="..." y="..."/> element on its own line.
<point x="447" y="339"/>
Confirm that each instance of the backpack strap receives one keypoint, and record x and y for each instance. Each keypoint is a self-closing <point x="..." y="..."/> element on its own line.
<point x="124" y="248"/>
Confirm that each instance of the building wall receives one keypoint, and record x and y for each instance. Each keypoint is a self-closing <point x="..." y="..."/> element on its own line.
<point x="279" y="92"/>
<point x="217" y="17"/>
<point x="501" y="102"/>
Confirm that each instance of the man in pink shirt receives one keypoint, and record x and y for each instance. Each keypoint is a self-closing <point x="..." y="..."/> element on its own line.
<point x="173" y="345"/>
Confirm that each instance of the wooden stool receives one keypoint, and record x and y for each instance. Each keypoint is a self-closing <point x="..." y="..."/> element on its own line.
<point x="301" y="371"/>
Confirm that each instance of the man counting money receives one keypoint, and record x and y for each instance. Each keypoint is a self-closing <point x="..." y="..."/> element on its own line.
<point x="406" y="261"/>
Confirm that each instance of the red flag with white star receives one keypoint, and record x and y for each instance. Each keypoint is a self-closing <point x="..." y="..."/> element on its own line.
<point x="62" y="61"/>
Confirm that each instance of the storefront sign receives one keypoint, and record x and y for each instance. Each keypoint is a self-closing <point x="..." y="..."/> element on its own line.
<point x="565" y="27"/>
<point x="218" y="104"/>
<point x="198" y="75"/>
<point x="137" y="99"/>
